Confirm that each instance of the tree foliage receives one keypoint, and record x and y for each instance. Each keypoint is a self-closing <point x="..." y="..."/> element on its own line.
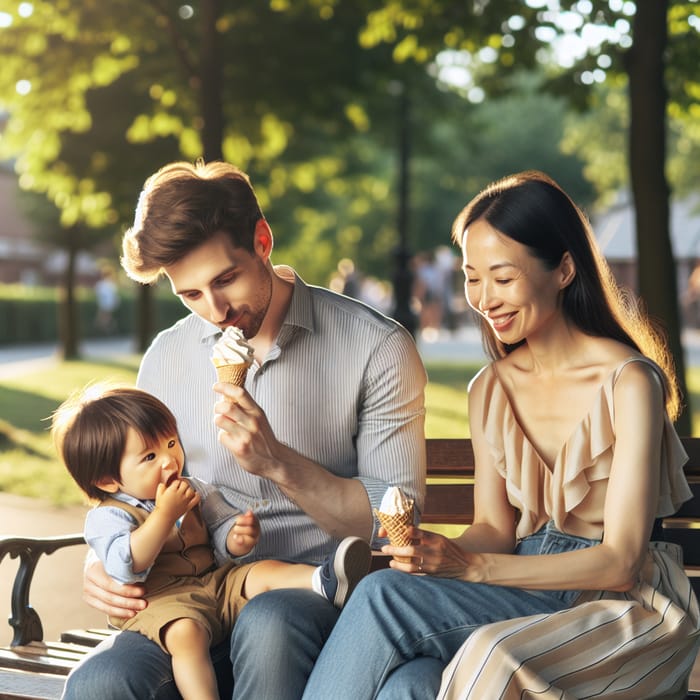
<point x="303" y="96"/>
<point x="307" y="102"/>
<point x="650" y="47"/>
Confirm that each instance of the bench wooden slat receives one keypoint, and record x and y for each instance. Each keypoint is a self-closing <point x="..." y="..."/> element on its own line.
<point x="51" y="657"/>
<point x="692" y="447"/>
<point x="691" y="509"/>
<point x="449" y="504"/>
<point x="30" y="686"/>
<point x="450" y="457"/>
<point x="87" y="638"/>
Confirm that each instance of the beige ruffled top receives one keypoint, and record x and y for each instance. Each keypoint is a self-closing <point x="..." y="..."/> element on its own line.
<point x="572" y="493"/>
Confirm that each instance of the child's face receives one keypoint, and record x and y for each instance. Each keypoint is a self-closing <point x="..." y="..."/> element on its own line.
<point x="143" y="466"/>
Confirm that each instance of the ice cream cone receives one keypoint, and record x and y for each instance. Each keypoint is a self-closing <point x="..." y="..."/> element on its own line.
<point x="396" y="525"/>
<point x="232" y="355"/>
<point x="233" y="373"/>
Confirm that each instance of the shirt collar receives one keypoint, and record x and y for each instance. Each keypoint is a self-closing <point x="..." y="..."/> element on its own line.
<point x="132" y="501"/>
<point x="300" y="312"/>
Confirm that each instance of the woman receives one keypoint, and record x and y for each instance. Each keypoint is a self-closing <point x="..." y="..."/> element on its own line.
<point x="575" y="457"/>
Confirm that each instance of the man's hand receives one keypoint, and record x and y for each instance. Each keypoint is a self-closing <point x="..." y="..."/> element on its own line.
<point x="244" y="430"/>
<point x="338" y="505"/>
<point x="243" y="535"/>
<point x="106" y="595"/>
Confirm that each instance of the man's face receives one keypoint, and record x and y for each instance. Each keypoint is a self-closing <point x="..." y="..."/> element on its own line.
<point x="225" y="285"/>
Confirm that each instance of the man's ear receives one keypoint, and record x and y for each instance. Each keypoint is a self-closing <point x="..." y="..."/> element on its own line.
<point x="262" y="239"/>
<point x="108" y="484"/>
<point x="567" y="270"/>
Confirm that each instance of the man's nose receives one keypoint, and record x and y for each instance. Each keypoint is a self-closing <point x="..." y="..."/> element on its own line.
<point x="218" y="307"/>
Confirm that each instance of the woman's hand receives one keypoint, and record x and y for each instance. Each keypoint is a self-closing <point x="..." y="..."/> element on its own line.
<point x="430" y="553"/>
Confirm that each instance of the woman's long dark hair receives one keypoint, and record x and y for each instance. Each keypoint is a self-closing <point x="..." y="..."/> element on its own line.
<point x="530" y="208"/>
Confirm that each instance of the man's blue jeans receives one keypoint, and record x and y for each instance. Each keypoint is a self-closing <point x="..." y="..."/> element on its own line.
<point x="273" y="648"/>
<point x="398" y="631"/>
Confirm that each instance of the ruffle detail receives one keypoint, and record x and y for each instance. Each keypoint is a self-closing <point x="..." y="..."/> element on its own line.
<point x="581" y="458"/>
<point x="673" y="489"/>
<point x="584" y="462"/>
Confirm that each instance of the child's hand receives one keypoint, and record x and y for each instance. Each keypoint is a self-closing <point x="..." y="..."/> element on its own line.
<point x="176" y="498"/>
<point x="243" y="535"/>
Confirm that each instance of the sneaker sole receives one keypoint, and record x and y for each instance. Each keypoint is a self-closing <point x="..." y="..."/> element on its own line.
<point x="351" y="563"/>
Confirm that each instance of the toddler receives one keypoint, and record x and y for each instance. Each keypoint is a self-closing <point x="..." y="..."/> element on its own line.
<point x="153" y="526"/>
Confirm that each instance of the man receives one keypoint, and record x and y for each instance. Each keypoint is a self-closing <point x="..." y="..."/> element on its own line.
<point x="331" y="415"/>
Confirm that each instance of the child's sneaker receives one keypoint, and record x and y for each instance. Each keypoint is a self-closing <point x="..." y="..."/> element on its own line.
<point x="343" y="569"/>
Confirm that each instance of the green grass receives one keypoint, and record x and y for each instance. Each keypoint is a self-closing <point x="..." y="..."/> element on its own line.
<point x="446" y="399"/>
<point x="28" y="463"/>
<point x="29" y="466"/>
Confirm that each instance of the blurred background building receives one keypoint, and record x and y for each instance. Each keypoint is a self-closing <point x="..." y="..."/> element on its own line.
<point x="24" y="260"/>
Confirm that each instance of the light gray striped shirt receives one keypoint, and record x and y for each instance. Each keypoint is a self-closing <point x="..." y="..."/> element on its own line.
<point x="343" y="385"/>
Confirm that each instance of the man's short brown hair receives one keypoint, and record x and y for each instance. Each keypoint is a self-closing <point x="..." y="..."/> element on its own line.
<point x="180" y="208"/>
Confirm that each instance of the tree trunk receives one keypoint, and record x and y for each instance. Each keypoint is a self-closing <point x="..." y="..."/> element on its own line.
<point x="403" y="276"/>
<point x="647" y="143"/>
<point x="211" y="103"/>
<point x="144" y="314"/>
<point x="68" y="310"/>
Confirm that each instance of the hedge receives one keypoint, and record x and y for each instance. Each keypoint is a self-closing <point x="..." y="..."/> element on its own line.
<point x="29" y="315"/>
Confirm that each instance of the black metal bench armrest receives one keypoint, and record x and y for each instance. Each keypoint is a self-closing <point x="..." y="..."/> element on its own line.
<point x="25" y="620"/>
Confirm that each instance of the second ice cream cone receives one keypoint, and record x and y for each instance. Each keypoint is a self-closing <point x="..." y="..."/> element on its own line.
<point x="396" y="526"/>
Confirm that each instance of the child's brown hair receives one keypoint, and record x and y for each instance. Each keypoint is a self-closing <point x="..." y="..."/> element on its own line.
<point x="90" y="429"/>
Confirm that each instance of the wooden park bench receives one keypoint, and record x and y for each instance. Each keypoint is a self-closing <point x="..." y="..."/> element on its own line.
<point x="33" y="668"/>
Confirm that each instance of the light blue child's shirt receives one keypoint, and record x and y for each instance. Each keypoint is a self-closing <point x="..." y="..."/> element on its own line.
<point x="108" y="530"/>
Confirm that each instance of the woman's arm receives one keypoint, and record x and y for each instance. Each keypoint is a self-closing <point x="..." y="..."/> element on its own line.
<point x="629" y="511"/>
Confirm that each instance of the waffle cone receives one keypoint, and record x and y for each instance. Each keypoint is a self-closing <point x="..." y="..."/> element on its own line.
<point x="232" y="374"/>
<point x="396" y="526"/>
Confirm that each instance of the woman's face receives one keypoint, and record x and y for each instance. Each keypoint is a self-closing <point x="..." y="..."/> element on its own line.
<point x="507" y="285"/>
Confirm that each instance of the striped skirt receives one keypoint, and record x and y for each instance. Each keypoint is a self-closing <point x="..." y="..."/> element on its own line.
<point x="629" y="646"/>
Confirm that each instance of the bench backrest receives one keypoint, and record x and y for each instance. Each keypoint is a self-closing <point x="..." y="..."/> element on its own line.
<point x="450" y="497"/>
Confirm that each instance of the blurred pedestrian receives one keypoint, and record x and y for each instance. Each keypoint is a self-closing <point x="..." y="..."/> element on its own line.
<point x="429" y="294"/>
<point x="107" y="297"/>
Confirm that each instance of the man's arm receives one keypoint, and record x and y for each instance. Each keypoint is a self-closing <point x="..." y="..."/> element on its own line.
<point x="246" y="432"/>
<point x="390" y="444"/>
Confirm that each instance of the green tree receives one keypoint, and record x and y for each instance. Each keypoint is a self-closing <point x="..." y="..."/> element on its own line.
<point x="635" y="48"/>
<point x="67" y="130"/>
<point x="301" y="95"/>
<point x="97" y="98"/>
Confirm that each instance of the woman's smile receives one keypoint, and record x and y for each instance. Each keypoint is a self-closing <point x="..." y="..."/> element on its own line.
<point x="502" y="323"/>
